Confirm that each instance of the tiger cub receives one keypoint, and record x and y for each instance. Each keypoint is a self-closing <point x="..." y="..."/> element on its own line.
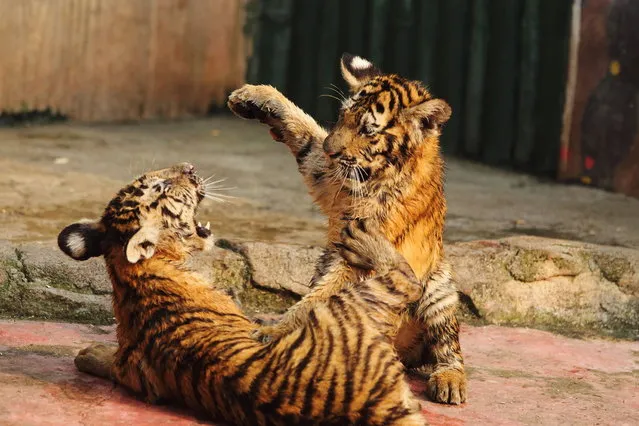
<point x="381" y="161"/>
<point x="181" y="340"/>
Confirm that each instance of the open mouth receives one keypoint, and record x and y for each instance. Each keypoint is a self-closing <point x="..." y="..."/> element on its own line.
<point x="358" y="174"/>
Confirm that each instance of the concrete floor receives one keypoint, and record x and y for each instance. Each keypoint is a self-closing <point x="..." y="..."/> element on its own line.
<point x="517" y="377"/>
<point x="55" y="174"/>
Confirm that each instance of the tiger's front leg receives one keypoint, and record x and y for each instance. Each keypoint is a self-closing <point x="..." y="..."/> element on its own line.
<point x="298" y="130"/>
<point x="429" y="341"/>
<point x="331" y="274"/>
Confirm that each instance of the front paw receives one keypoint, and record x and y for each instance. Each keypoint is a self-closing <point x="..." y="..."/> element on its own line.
<point x="256" y="102"/>
<point x="447" y="386"/>
<point x="261" y="103"/>
<point x="366" y="249"/>
<point x="96" y="360"/>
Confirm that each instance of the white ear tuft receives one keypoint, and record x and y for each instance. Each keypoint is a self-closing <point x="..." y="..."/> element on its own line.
<point x="76" y="245"/>
<point x="357" y="70"/>
<point x="360" y="63"/>
<point x="82" y="241"/>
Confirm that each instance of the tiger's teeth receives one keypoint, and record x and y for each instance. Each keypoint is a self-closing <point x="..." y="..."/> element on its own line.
<point x="208" y="225"/>
<point x="199" y="224"/>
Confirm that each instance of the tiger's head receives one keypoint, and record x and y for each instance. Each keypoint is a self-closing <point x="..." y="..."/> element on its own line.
<point x="157" y="206"/>
<point x="381" y="124"/>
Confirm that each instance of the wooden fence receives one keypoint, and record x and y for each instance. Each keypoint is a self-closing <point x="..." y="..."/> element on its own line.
<point x="105" y="60"/>
<point x="501" y="64"/>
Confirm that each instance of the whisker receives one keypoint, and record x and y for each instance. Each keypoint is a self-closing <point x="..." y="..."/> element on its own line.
<point x="219" y="200"/>
<point x="223" y="188"/>
<point x="337" y="89"/>
<point x="331" y="96"/>
<point x="339" y="191"/>
<point x="215" y="181"/>
<point x="208" y="178"/>
<point x="215" y="194"/>
<point x="339" y="93"/>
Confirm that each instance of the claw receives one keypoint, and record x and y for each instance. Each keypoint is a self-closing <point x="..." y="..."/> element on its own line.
<point x="208" y="225"/>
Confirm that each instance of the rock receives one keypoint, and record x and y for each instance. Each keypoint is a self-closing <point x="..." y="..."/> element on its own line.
<point x="569" y="287"/>
<point x="28" y="294"/>
<point x="559" y="285"/>
<point x="281" y="266"/>
<point x="45" y="262"/>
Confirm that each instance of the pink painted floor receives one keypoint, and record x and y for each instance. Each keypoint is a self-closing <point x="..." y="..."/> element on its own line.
<point x="517" y="377"/>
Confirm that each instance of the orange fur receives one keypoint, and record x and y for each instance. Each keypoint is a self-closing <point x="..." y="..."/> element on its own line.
<point x="381" y="162"/>
<point x="181" y="340"/>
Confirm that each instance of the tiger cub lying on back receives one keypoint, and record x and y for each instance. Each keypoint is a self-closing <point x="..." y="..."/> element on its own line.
<point x="381" y="161"/>
<point x="181" y="340"/>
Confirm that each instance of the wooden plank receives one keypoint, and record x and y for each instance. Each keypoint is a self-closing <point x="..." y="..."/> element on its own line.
<point x="554" y="41"/>
<point x="400" y="40"/>
<point x="104" y="60"/>
<point x="451" y="68"/>
<point x="353" y="26"/>
<point x="528" y="85"/>
<point x="377" y="29"/>
<point x="274" y="41"/>
<point x="328" y="54"/>
<point x="478" y="45"/>
<point x="301" y="83"/>
<point x="569" y="116"/>
<point x="500" y="112"/>
<point x="426" y="30"/>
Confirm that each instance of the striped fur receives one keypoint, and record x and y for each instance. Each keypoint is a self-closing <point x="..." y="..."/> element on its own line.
<point x="181" y="340"/>
<point x="382" y="162"/>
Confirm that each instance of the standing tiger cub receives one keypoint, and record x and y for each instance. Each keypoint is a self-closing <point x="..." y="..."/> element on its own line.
<point x="181" y="340"/>
<point x="381" y="162"/>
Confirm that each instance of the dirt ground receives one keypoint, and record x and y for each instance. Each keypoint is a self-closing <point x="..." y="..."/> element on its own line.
<point x="56" y="174"/>
<point x="516" y="377"/>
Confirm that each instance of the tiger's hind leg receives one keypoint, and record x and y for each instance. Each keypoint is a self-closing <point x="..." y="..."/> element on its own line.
<point x="102" y="361"/>
<point x="431" y="344"/>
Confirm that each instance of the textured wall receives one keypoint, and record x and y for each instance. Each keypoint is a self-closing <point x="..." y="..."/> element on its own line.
<point x="106" y="60"/>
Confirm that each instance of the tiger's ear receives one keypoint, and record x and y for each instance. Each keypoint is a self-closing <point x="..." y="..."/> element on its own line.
<point x="430" y="115"/>
<point x="357" y="70"/>
<point x="142" y="243"/>
<point x="82" y="240"/>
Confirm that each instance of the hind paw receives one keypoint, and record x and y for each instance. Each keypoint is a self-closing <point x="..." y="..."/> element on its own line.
<point x="96" y="360"/>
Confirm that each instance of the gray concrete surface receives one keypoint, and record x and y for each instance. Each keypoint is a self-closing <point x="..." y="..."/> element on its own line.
<point x="52" y="175"/>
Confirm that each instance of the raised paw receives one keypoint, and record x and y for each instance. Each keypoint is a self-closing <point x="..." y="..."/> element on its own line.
<point x="447" y="386"/>
<point x="96" y="360"/>
<point x="367" y="249"/>
<point x="263" y="103"/>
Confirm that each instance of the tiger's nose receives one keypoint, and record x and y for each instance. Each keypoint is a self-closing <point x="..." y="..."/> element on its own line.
<point x="188" y="168"/>
<point x="329" y="149"/>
